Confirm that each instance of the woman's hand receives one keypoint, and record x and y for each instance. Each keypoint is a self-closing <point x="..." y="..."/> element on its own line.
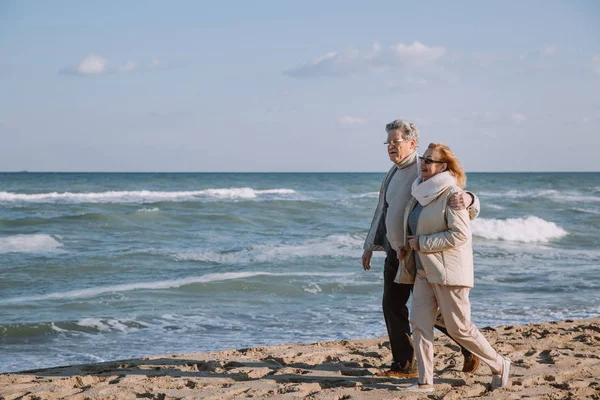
<point x="413" y="242"/>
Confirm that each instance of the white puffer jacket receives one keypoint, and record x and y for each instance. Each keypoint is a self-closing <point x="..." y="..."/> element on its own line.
<point x="445" y="242"/>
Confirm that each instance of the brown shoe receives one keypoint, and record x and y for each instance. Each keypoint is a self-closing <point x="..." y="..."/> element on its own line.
<point x="471" y="363"/>
<point x="398" y="374"/>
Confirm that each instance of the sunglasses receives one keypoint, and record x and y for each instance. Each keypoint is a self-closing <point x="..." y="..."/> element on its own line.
<point x="430" y="160"/>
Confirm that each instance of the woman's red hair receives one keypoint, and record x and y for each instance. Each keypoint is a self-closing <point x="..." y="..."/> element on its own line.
<point x="446" y="155"/>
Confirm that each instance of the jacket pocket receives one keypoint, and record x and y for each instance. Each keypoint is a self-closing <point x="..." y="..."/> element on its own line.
<point x="453" y="268"/>
<point x="434" y="267"/>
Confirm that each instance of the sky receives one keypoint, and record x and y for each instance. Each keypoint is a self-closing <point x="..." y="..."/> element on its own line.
<point x="281" y="86"/>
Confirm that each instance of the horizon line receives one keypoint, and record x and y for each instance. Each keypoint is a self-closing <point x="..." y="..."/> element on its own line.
<point x="276" y="172"/>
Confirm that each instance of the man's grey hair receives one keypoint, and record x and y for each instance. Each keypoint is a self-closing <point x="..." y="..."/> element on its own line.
<point x="408" y="129"/>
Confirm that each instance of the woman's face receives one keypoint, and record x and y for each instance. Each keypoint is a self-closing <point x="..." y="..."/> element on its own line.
<point x="433" y="168"/>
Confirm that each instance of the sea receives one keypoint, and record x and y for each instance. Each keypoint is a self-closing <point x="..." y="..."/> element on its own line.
<point x="110" y="266"/>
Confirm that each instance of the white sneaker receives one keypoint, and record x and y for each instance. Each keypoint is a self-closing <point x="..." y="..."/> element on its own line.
<point x="499" y="381"/>
<point x="415" y="387"/>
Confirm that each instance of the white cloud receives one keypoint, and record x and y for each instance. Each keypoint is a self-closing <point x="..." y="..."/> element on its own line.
<point x="417" y="54"/>
<point x="354" y="61"/>
<point x="92" y="65"/>
<point x="518" y="118"/>
<point x="127" y="67"/>
<point x="97" y="65"/>
<point x="548" y="50"/>
<point x="348" y="120"/>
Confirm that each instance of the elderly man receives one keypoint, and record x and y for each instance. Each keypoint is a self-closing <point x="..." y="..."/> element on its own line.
<point x="387" y="234"/>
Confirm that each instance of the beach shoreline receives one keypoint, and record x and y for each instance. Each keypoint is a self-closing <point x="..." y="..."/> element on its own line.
<point x="552" y="360"/>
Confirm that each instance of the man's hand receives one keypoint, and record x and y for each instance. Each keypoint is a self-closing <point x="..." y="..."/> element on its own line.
<point x="413" y="242"/>
<point x="366" y="259"/>
<point x="401" y="254"/>
<point x="459" y="200"/>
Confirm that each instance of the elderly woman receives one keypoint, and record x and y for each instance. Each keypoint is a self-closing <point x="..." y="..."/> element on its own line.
<point x="438" y="258"/>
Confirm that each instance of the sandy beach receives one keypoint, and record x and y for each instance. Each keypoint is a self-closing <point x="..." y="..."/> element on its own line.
<point x="554" y="360"/>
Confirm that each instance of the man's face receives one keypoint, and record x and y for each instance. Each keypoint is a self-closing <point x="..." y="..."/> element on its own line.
<point x="398" y="148"/>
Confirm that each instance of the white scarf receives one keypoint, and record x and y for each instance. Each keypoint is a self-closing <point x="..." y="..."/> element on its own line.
<point x="427" y="191"/>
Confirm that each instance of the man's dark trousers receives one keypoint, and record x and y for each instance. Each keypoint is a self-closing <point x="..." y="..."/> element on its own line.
<point x="395" y="312"/>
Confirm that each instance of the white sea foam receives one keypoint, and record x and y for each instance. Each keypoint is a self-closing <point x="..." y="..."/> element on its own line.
<point x="528" y="230"/>
<point x="587" y="211"/>
<point x="363" y="195"/>
<point x="342" y="246"/>
<point x="313" y="288"/>
<point x="110" y="325"/>
<point x="244" y="193"/>
<point x="554" y="195"/>
<point x="38" y="243"/>
<point x="155" y="209"/>
<point x="94" y="358"/>
<point x="57" y="329"/>
<point x="142" y="196"/>
<point x="159" y="285"/>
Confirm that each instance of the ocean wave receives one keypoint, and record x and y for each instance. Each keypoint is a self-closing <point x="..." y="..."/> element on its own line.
<point x="38" y="243"/>
<point x="366" y="195"/>
<point x="143" y="196"/>
<point x="342" y="246"/>
<point x="489" y="253"/>
<point x="312" y="288"/>
<point x="587" y="211"/>
<point x="554" y="195"/>
<point x="527" y="230"/>
<point x="111" y="325"/>
<point x="155" y="209"/>
<point x="85" y="325"/>
<point x="160" y="285"/>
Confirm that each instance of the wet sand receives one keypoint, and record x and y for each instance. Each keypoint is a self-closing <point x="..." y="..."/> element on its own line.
<point x="554" y="360"/>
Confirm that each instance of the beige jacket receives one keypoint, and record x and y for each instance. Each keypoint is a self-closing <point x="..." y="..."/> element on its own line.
<point x="376" y="239"/>
<point x="446" y="251"/>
